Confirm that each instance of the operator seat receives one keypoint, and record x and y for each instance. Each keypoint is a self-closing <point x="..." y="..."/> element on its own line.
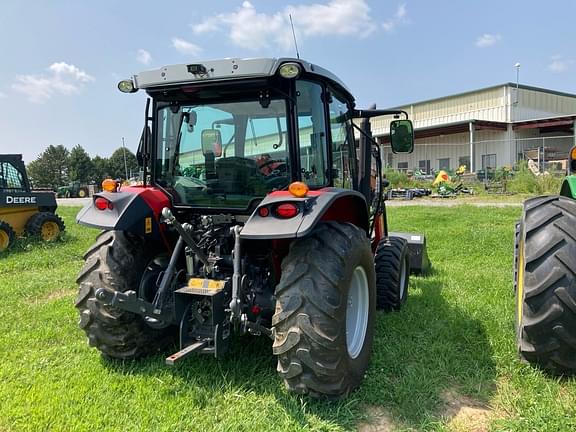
<point x="237" y="175"/>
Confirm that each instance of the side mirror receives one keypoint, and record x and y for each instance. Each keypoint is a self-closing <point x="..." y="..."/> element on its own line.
<point x="211" y="142"/>
<point x="190" y="118"/>
<point x="402" y="136"/>
<point x="146" y="137"/>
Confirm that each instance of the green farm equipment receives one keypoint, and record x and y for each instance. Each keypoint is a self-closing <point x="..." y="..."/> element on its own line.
<point x="74" y="189"/>
<point x="545" y="279"/>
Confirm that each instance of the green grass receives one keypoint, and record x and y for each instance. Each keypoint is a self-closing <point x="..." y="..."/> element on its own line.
<point x="455" y="334"/>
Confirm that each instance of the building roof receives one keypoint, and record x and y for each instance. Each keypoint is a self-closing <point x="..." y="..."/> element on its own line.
<point x="506" y="84"/>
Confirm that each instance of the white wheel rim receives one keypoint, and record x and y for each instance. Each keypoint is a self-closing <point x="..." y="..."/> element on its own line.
<point x="357" y="310"/>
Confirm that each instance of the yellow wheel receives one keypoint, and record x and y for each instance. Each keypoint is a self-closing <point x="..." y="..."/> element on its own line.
<point x="49" y="231"/>
<point x="82" y="193"/>
<point x="7" y="236"/>
<point x="45" y="225"/>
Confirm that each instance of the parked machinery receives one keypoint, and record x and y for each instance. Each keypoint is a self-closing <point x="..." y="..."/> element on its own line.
<point x="239" y="226"/>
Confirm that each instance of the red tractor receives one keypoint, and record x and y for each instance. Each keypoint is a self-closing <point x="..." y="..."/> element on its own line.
<point x="256" y="216"/>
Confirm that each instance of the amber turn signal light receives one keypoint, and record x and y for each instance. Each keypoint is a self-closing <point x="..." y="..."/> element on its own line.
<point x="109" y="185"/>
<point x="298" y="189"/>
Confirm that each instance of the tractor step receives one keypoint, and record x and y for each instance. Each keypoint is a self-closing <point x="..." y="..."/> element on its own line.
<point x="183" y="353"/>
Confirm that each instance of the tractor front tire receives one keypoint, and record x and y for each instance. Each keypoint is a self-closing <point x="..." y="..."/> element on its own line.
<point x="117" y="261"/>
<point x="45" y="225"/>
<point x="7" y="236"/>
<point x="392" y="262"/>
<point x="546" y="284"/>
<point x="323" y="325"/>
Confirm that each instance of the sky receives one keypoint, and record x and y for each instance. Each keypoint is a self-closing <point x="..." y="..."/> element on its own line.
<point x="60" y="61"/>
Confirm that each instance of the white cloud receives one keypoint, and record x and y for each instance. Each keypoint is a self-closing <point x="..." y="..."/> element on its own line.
<point x="487" y="40"/>
<point x="185" y="47"/>
<point x="398" y="18"/>
<point x="144" y="56"/>
<point x="62" y="78"/>
<point x="248" y="28"/>
<point x="559" y="64"/>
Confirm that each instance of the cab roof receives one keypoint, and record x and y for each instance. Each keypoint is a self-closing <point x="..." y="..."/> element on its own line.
<point x="227" y="70"/>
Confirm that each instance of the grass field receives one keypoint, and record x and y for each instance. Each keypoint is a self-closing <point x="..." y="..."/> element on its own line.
<point x="445" y="362"/>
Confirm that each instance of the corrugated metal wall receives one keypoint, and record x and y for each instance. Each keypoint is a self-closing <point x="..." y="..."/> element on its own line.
<point x="533" y="104"/>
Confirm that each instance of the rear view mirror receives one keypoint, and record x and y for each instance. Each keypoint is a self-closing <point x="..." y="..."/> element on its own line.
<point x="211" y="142"/>
<point x="402" y="136"/>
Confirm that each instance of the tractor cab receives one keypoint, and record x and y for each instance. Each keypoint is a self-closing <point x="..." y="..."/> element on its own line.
<point x="258" y="214"/>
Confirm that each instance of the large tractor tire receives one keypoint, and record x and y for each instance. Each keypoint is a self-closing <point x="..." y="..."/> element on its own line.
<point x="546" y="284"/>
<point x="45" y="225"/>
<point x="7" y="236"/>
<point x="118" y="261"/>
<point x="392" y="262"/>
<point x="323" y="325"/>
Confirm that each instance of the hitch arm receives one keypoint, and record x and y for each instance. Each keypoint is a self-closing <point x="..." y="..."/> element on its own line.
<point x="129" y="301"/>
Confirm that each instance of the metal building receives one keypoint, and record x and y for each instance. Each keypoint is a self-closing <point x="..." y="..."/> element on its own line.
<point x="486" y="128"/>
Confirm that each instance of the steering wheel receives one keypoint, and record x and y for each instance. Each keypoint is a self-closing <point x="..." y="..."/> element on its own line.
<point x="276" y="171"/>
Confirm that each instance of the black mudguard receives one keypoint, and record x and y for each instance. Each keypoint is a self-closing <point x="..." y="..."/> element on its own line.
<point x="419" y="261"/>
<point x="130" y="212"/>
<point x="340" y="205"/>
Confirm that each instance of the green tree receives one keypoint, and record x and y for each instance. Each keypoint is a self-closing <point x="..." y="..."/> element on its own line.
<point x="117" y="163"/>
<point x="50" y="169"/>
<point x="80" y="166"/>
<point x="100" y="169"/>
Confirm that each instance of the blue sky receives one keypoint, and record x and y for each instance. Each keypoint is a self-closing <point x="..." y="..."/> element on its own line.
<point x="61" y="60"/>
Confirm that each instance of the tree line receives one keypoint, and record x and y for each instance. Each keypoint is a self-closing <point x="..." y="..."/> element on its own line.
<point x="57" y="166"/>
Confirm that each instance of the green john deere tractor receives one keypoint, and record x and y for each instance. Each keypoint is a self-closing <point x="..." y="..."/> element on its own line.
<point x="545" y="279"/>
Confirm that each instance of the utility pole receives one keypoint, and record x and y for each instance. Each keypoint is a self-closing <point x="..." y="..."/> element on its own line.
<point x="125" y="164"/>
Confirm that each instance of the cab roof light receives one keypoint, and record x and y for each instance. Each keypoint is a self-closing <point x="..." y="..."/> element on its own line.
<point x="127" y="86"/>
<point x="298" y="189"/>
<point x="290" y="70"/>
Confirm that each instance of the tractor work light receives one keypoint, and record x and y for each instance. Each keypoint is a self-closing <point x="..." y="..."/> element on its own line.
<point x="298" y="189"/>
<point x="127" y="86"/>
<point x="110" y="185"/>
<point x="290" y="70"/>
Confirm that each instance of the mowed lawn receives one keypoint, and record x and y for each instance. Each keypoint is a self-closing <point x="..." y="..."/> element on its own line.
<point x="445" y="362"/>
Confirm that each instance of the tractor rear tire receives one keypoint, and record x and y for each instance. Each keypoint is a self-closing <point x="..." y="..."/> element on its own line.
<point x="82" y="192"/>
<point x="323" y="325"/>
<point x="45" y="225"/>
<point x="392" y="262"/>
<point x="7" y="236"/>
<point x="546" y="284"/>
<point x="117" y="261"/>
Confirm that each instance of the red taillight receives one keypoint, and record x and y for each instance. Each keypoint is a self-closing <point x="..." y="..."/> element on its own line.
<point x="287" y="211"/>
<point x="263" y="211"/>
<point x="103" y="204"/>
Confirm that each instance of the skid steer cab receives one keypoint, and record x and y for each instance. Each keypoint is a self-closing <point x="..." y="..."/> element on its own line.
<point x="258" y="215"/>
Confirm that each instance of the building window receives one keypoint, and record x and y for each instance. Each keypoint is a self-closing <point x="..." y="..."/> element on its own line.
<point x="444" y="164"/>
<point x="488" y="162"/>
<point x="464" y="160"/>
<point x="402" y="166"/>
<point x="424" y="166"/>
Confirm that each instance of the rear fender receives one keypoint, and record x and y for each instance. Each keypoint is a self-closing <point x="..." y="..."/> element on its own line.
<point x="568" y="188"/>
<point x="328" y="204"/>
<point x="135" y="209"/>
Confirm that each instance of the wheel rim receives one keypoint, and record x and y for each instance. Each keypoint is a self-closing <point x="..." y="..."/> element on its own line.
<point x="50" y="231"/>
<point x="520" y="284"/>
<point x="357" y="309"/>
<point x="4" y="240"/>
<point x="403" y="278"/>
<point x="81" y="194"/>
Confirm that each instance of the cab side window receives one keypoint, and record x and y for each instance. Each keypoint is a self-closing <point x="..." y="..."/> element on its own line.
<point x="10" y="178"/>
<point x="343" y="148"/>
